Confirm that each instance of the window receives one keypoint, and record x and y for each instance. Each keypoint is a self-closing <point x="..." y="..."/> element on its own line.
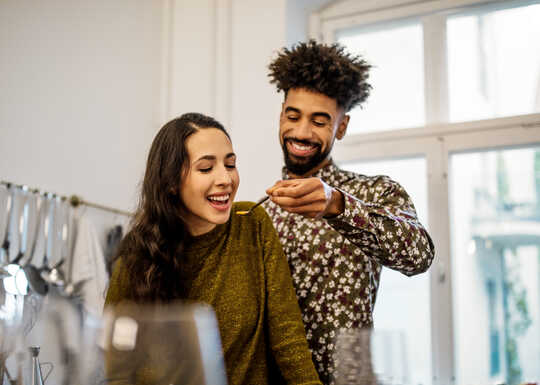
<point x="397" y="76"/>
<point x="469" y="111"/>
<point x="496" y="243"/>
<point x="494" y="335"/>
<point x="399" y="294"/>
<point x="494" y="63"/>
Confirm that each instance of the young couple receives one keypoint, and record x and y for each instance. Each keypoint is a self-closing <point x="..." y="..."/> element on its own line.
<point x="335" y="227"/>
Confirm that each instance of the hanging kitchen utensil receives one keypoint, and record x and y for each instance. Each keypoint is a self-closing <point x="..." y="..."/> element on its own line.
<point x="4" y="247"/>
<point x="58" y="234"/>
<point x="17" y="282"/>
<point x="37" y="376"/>
<point x="33" y="273"/>
<point x="22" y="226"/>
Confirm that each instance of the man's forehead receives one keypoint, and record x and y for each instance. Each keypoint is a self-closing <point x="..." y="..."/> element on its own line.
<point x="310" y="102"/>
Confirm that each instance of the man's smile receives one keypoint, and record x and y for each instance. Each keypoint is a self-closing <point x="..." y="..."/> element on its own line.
<point x="301" y="149"/>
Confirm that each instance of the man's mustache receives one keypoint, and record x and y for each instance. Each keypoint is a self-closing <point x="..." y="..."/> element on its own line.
<point x="302" y="141"/>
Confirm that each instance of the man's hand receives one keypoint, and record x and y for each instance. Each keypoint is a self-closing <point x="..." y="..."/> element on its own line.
<point x="310" y="197"/>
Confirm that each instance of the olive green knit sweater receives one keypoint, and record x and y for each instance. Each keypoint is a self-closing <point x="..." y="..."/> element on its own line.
<point x="240" y="270"/>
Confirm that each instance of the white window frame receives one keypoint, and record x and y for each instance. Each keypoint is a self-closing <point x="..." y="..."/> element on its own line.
<point x="436" y="141"/>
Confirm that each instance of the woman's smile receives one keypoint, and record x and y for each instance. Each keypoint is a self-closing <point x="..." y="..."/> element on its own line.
<point x="220" y="201"/>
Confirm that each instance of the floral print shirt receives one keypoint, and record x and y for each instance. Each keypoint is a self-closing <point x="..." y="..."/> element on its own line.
<point x="336" y="262"/>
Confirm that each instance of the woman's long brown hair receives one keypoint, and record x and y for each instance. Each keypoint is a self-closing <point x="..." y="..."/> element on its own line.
<point x="152" y="249"/>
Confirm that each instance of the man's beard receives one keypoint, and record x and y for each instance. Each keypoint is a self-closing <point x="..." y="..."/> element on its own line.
<point x="307" y="163"/>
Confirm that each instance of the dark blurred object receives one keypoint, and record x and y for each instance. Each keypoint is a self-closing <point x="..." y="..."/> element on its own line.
<point x="114" y="236"/>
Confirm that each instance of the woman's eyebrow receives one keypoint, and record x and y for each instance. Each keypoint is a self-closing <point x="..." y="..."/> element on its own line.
<point x="206" y="157"/>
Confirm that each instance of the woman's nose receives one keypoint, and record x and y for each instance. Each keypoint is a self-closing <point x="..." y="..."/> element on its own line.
<point x="224" y="176"/>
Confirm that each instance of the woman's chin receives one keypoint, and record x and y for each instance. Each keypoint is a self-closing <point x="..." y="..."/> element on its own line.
<point x="221" y="217"/>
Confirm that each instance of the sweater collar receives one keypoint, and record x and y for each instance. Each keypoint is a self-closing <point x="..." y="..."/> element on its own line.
<point x="207" y="240"/>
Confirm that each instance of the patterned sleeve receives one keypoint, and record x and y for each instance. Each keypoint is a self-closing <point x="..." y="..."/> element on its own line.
<point x="287" y="337"/>
<point x="384" y="225"/>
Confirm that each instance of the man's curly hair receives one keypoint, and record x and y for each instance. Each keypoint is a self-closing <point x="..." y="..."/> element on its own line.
<point x="322" y="68"/>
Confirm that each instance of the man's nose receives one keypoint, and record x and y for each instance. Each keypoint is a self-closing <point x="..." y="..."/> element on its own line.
<point x="303" y="129"/>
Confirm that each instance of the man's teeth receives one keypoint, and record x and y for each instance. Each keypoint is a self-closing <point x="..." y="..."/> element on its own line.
<point x="220" y="198"/>
<point x="302" y="147"/>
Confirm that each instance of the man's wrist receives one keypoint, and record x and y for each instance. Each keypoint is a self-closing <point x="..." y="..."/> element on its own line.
<point x="337" y="204"/>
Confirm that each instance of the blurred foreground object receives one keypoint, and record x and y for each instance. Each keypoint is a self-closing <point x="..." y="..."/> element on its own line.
<point x="370" y="357"/>
<point x="172" y="344"/>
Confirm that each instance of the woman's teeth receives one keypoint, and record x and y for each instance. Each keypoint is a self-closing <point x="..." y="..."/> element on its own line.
<point x="220" y="198"/>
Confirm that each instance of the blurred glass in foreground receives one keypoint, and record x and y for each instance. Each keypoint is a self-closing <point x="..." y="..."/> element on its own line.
<point x="371" y="357"/>
<point x="173" y="344"/>
<point x="55" y="342"/>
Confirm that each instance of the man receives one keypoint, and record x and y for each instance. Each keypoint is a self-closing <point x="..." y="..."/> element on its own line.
<point x="337" y="228"/>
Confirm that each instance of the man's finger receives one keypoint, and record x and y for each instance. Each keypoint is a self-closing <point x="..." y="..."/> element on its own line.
<point x="291" y="201"/>
<point x="281" y="183"/>
<point x="297" y="190"/>
<point x="313" y="208"/>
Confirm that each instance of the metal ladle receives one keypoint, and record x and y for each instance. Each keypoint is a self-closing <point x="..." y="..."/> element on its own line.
<point x="56" y="275"/>
<point x="57" y="233"/>
<point x="33" y="273"/>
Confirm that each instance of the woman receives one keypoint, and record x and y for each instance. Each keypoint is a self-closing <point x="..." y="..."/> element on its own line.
<point x="185" y="244"/>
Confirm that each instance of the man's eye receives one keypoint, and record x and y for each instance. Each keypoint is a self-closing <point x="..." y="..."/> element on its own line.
<point x="319" y="124"/>
<point x="231" y="166"/>
<point x="293" y="118"/>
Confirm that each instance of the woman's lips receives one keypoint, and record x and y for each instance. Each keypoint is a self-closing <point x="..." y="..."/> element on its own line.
<point x="220" y="202"/>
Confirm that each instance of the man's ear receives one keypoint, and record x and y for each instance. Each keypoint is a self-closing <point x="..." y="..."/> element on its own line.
<point x="342" y="128"/>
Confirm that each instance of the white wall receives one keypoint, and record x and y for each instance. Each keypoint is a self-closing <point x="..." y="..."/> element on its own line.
<point x="218" y="58"/>
<point x="79" y="97"/>
<point x="86" y="85"/>
<point x="297" y="21"/>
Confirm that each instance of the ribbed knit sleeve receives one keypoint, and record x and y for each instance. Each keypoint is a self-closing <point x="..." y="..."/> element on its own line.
<point x="287" y="338"/>
<point x="119" y="285"/>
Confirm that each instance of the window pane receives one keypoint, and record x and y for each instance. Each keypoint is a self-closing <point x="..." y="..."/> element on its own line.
<point x="494" y="63"/>
<point x="407" y="296"/>
<point x="496" y="264"/>
<point x="396" y="53"/>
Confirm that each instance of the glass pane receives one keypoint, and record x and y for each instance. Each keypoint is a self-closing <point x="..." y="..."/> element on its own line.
<point x="494" y="63"/>
<point x="396" y="53"/>
<point x="496" y="263"/>
<point x="407" y="296"/>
